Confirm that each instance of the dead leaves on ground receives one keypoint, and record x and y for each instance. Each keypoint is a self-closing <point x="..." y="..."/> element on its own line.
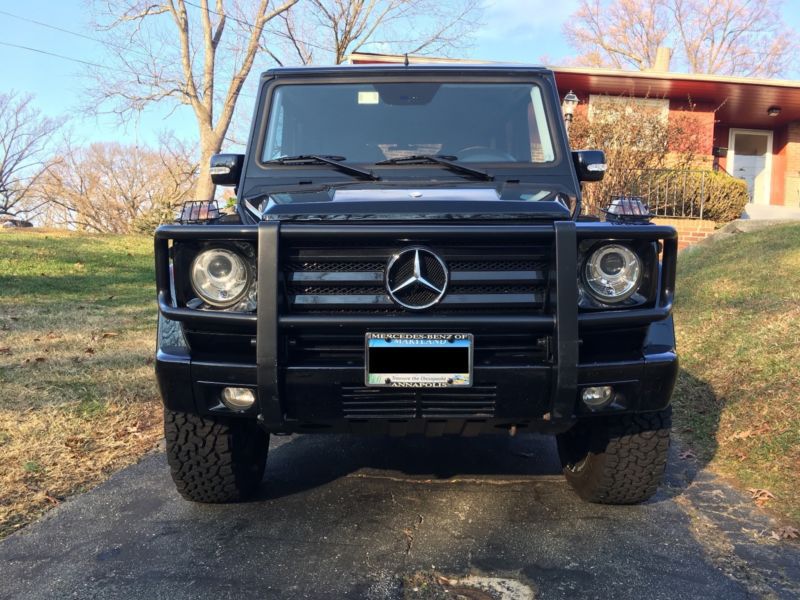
<point x="786" y="533"/>
<point x="52" y="453"/>
<point x="52" y="336"/>
<point x="38" y="359"/>
<point x="760" y="496"/>
<point x="760" y="430"/>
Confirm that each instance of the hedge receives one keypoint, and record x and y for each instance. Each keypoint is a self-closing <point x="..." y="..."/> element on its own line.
<point x="681" y="193"/>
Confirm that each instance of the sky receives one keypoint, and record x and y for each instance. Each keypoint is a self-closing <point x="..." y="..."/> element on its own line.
<point x="511" y="30"/>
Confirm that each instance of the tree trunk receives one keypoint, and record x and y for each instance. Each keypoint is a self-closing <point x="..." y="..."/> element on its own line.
<point x="204" y="189"/>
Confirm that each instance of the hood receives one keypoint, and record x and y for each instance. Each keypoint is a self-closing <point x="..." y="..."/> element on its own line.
<point x="406" y="203"/>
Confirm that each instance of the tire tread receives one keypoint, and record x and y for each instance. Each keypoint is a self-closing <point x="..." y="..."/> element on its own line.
<point x="627" y="459"/>
<point x="214" y="460"/>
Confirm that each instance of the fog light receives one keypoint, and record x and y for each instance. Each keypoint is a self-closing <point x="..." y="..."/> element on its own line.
<point x="598" y="396"/>
<point x="237" y="398"/>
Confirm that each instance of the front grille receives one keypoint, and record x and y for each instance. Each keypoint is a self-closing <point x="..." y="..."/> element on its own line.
<point x="347" y="349"/>
<point x="327" y="266"/>
<point x="485" y="278"/>
<point x="497" y="265"/>
<point x="377" y="403"/>
<point x="336" y="290"/>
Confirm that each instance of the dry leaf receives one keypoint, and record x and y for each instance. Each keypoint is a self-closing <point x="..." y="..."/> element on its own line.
<point x="109" y="334"/>
<point x="6" y="350"/>
<point x="742" y="435"/>
<point x="89" y="350"/>
<point x="74" y="442"/>
<point x="786" y="533"/>
<point x="442" y="580"/>
<point x="760" y="496"/>
<point x="40" y="359"/>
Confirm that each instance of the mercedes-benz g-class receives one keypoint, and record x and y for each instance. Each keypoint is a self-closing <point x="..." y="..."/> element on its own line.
<point x="408" y="255"/>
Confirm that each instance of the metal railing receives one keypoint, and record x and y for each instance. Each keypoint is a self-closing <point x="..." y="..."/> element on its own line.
<point x="680" y="193"/>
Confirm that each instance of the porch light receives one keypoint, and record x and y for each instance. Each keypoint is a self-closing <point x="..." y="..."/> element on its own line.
<point x="774" y="111"/>
<point x="568" y="106"/>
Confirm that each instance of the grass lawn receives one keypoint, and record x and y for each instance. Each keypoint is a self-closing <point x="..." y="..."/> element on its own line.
<point x="77" y="394"/>
<point x="738" y="324"/>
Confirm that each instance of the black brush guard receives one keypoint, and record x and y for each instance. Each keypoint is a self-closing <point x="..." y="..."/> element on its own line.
<point x="564" y="323"/>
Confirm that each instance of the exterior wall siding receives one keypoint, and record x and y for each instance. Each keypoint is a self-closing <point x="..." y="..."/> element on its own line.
<point x="792" y="149"/>
<point x="702" y="118"/>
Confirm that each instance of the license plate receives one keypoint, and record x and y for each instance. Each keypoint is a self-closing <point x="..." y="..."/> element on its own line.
<point x="419" y="360"/>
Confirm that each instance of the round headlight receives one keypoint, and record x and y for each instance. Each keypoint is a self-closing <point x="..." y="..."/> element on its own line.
<point x="612" y="273"/>
<point x="220" y="277"/>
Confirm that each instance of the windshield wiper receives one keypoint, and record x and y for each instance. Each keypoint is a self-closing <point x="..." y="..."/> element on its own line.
<point x="440" y="159"/>
<point x="323" y="159"/>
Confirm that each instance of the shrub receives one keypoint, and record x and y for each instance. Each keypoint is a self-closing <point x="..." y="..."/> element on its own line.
<point x="726" y="198"/>
<point x="708" y="194"/>
<point x="637" y="137"/>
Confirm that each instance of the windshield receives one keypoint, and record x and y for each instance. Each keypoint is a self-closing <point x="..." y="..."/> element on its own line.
<point x="369" y="123"/>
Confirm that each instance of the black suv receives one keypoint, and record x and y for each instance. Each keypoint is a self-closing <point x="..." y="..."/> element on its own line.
<point x="408" y="257"/>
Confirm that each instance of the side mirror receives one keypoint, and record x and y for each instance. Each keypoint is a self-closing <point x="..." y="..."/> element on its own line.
<point x="226" y="169"/>
<point x="590" y="165"/>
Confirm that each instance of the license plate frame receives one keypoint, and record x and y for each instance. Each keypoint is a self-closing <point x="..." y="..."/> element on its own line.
<point x="411" y="350"/>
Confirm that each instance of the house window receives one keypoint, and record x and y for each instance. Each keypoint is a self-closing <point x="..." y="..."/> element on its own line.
<point x="621" y="115"/>
<point x="614" y="107"/>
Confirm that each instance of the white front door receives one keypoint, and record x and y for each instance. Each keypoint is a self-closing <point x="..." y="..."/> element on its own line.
<point x="750" y="154"/>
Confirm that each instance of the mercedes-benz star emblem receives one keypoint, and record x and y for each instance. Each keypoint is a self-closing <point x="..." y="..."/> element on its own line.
<point x="416" y="278"/>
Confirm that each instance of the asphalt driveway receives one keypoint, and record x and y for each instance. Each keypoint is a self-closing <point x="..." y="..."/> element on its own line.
<point x="342" y="517"/>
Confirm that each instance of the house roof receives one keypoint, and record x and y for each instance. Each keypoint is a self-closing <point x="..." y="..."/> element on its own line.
<point x="742" y="101"/>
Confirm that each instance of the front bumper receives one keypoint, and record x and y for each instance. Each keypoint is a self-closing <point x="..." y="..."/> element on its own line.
<point x="543" y="395"/>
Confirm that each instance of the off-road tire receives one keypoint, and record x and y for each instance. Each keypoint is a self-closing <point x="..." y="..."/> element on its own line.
<point x="616" y="460"/>
<point x="214" y="460"/>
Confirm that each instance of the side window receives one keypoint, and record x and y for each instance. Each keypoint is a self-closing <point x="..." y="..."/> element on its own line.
<point x="274" y="146"/>
<point x="541" y="145"/>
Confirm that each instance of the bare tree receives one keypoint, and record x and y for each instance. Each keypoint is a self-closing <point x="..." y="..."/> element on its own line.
<point x="115" y="188"/>
<point x="185" y="52"/>
<point x="734" y="37"/>
<point x="619" y="33"/>
<point x="330" y="30"/>
<point x="24" y="138"/>
<point x="726" y="37"/>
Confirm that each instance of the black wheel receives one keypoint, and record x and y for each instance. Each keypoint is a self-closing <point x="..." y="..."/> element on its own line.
<point x="616" y="460"/>
<point x="214" y="459"/>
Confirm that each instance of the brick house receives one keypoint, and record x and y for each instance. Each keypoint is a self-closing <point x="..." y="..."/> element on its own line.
<point x="751" y="127"/>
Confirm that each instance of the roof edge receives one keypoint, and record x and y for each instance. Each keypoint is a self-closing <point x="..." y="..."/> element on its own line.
<point x="657" y="75"/>
<point x="673" y="76"/>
